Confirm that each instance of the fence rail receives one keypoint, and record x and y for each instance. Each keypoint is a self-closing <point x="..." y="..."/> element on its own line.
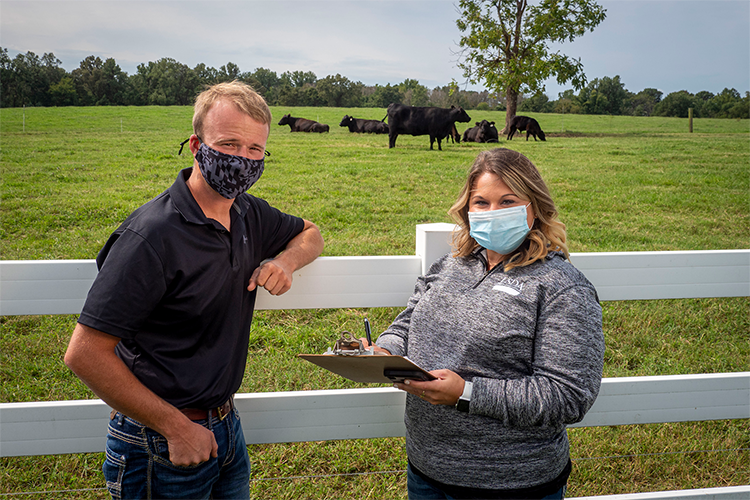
<point x="60" y="286"/>
<point x="56" y="427"/>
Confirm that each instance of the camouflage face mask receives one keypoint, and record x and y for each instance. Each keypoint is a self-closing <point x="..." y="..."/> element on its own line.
<point x="228" y="175"/>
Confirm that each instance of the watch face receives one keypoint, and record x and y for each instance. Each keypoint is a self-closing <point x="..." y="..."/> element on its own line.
<point x="463" y="405"/>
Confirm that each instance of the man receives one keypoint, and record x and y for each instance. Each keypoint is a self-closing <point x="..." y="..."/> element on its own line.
<point x="163" y="335"/>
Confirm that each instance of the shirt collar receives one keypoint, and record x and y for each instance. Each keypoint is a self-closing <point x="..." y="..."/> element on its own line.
<point x="184" y="202"/>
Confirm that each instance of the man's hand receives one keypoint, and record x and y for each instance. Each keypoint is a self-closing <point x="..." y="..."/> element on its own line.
<point x="192" y="445"/>
<point x="276" y="275"/>
<point x="271" y="276"/>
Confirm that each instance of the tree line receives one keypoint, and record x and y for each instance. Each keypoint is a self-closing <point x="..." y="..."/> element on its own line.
<point x="608" y="96"/>
<point x="30" y="80"/>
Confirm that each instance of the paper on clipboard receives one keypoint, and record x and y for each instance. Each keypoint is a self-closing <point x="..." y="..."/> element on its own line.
<point x="364" y="368"/>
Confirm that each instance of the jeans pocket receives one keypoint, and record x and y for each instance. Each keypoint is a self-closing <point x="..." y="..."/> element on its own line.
<point x="160" y="453"/>
<point x="113" y="469"/>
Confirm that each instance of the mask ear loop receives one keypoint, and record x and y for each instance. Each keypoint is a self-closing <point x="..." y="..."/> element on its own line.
<point x="182" y="144"/>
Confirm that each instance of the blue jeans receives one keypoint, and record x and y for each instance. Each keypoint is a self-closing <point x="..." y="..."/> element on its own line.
<point x="419" y="489"/>
<point x="137" y="463"/>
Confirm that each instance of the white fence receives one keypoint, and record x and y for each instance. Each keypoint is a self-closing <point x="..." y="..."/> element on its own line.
<point x="56" y="427"/>
<point x="60" y="287"/>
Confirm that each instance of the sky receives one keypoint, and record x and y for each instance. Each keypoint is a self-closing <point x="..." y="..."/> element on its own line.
<point x="669" y="45"/>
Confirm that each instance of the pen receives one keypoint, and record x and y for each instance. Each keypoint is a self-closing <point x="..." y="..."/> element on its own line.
<point x="367" y="331"/>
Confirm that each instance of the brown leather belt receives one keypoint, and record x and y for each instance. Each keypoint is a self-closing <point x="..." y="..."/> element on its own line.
<point x="220" y="411"/>
<point x="195" y="414"/>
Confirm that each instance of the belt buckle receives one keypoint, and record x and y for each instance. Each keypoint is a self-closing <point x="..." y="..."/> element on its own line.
<point x="220" y="413"/>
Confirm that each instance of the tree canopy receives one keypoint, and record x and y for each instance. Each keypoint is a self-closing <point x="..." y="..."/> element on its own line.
<point x="30" y="80"/>
<point x="506" y="43"/>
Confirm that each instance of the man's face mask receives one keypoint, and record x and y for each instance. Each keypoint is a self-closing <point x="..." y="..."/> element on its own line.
<point x="228" y="175"/>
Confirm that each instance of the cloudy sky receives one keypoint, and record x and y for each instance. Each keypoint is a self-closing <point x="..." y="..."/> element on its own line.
<point x="670" y="45"/>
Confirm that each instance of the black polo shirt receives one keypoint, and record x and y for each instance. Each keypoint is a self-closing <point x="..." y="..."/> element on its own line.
<point x="172" y="285"/>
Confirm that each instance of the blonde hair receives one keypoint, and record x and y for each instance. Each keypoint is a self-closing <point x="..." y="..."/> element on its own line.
<point x="241" y="94"/>
<point x="522" y="177"/>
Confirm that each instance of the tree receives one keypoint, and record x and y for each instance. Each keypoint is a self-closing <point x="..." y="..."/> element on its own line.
<point x="644" y="102"/>
<point x="338" y="91"/>
<point x="267" y="78"/>
<point x="604" y="96"/>
<point x="165" y="82"/>
<point x="538" y="103"/>
<point x="724" y="105"/>
<point x="298" y="78"/>
<point x="567" y="103"/>
<point x="206" y="75"/>
<point x="229" y="72"/>
<point x="98" y="82"/>
<point x="505" y="43"/>
<point x="447" y="96"/>
<point x="63" y="93"/>
<point x="413" y="93"/>
<point x="675" y="104"/>
<point x="26" y="78"/>
<point x="382" y="96"/>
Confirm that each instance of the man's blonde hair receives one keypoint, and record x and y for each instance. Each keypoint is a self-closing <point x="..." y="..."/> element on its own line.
<point x="241" y="94"/>
<point x="522" y="177"/>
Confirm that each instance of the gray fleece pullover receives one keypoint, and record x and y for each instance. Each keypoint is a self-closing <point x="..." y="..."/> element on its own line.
<point x="531" y="342"/>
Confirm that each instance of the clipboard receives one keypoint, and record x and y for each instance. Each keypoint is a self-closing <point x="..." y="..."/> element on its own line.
<point x="362" y="368"/>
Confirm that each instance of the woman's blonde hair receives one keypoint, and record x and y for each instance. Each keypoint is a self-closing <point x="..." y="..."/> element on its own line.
<point x="522" y="177"/>
<point x="241" y="94"/>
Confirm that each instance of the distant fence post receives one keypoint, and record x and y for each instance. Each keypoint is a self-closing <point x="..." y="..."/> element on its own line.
<point x="690" y="119"/>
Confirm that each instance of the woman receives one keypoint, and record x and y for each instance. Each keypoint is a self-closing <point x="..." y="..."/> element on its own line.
<point x="513" y="334"/>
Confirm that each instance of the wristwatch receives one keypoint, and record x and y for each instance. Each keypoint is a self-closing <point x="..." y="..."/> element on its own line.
<point x="465" y="400"/>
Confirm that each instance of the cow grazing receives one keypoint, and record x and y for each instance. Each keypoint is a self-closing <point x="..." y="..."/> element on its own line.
<point x="453" y="135"/>
<point x="303" y="124"/>
<point x="530" y="125"/>
<point x="484" y="131"/>
<point x="435" y="122"/>
<point x="361" y="126"/>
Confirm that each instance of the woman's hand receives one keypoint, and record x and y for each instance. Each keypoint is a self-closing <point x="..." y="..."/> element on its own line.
<point x="444" y="391"/>
<point x="378" y="350"/>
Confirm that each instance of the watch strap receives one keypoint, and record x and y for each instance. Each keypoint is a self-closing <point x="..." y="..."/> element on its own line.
<point x="464" y="401"/>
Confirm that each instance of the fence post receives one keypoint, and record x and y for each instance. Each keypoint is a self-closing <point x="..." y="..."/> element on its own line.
<point x="690" y="119"/>
<point x="433" y="241"/>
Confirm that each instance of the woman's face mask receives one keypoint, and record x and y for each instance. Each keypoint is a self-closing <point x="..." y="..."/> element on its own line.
<point x="501" y="231"/>
<point x="228" y="175"/>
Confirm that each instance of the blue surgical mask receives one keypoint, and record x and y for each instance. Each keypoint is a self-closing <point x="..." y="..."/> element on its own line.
<point x="228" y="175"/>
<point x="501" y="231"/>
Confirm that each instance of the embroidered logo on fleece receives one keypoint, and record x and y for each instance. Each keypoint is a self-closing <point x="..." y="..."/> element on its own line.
<point x="509" y="286"/>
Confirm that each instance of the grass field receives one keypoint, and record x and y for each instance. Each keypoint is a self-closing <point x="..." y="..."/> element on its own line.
<point x="69" y="176"/>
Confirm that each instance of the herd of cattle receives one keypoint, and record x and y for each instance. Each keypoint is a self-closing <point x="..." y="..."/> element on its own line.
<point x="438" y="123"/>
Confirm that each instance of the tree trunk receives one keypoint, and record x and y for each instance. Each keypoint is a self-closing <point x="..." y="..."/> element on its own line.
<point x="511" y="104"/>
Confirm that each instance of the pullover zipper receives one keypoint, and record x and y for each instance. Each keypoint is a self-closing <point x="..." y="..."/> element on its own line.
<point x="486" y="273"/>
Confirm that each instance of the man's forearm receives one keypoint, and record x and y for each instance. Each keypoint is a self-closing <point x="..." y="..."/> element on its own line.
<point x="91" y="357"/>
<point x="302" y="249"/>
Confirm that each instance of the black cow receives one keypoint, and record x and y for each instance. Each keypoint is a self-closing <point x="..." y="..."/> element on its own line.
<point x="484" y="131"/>
<point x="530" y="125"/>
<point x="453" y="135"/>
<point x="303" y="124"/>
<point x="435" y="122"/>
<point x="361" y="126"/>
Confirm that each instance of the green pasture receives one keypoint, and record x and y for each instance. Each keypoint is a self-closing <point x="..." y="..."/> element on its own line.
<point x="69" y="176"/>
